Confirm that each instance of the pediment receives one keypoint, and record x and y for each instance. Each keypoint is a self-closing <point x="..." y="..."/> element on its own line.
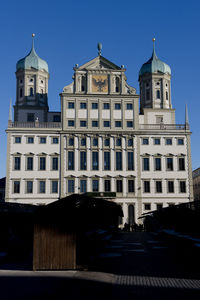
<point x="99" y="62"/>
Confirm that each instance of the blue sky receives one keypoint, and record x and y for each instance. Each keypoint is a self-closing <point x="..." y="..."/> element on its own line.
<point x="67" y="32"/>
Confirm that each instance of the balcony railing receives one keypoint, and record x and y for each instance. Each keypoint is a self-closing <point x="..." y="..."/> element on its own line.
<point x="164" y="127"/>
<point x="36" y="124"/>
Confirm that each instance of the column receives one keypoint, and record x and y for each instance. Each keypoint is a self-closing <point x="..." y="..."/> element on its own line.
<point x="76" y="158"/>
<point x="100" y="141"/>
<point x="112" y="154"/>
<point x="124" y="164"/>
<point x="76" y="186"/>
<point x="124" y="187"/>
<point x="88" y="143"/>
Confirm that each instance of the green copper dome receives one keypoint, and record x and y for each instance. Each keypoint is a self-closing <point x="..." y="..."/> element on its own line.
<point x="32" y="60"/>
<point x="153" y="65"/>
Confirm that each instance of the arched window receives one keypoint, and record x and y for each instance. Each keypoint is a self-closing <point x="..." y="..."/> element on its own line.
<point x="21" y="93"/>
<point x="147" y="95"/>
<point x="166" y="95"/>
<point x="158" y="94"/>
<point x="31" y="91"/>
<point x="117" y="85"/>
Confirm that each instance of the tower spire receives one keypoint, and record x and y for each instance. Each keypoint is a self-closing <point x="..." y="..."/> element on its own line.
<point x="33" y="35"/>
<point x="10" y="112"/>
<point x="154" y="51"/>
<point x="186" y="118"/>
<point x="99" y="47"/>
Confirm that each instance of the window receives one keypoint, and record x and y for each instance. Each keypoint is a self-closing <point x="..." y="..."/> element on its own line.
<point x="42" y="163"/>
<point x="29" y="187"/>
<point x="156" y="141"/>
<point x="71" y="141"/>
<point x="95" y="123"/>
<point x="107" y="185"/>
<point x="130" y="161"/>
<point x="147" y="206"/>
<point x="29" y="163"/>
<point x="130" y="142"/>
<point x="95" y="142"/>
<point x="16" y="189"/>
<point x="106" y="106"/>
<point x="147" y="94"/>
<point x="118" y="142"/>
<point x="129" y="124"/>
<point x="106" y="123"/>
<point x="55" y="140"/>
<point x="83" y="142"/>
<point x="30" y="140"/>
<point x="95" y="185"/>
<point x="118" y="124"/>
<point x="159" y="206"/>
<point x="118" y="160"/>
<point x="83" y="105"/>
<point x="17" y="163"/>
<point x="146" y="186"/>
<point x="145" y="164"/>
<point x="30" y="117"/>
<point x="54" y="163"/>
<point x="83" y="161"/>
<point x="129" y="106"/>
<point x="182" y="185"/>
<point x="71" y="186"/>
<point x="31" y="80"/>
<point x="158" y="94"/>
<point x="70" y="123"/>
<point x="54" y="186"/>
<point x="170" y="186"/>
<point x="83" y="123"/>
<point x="117" y="84"/>
<point x="31" y="92"/>
<point x="145" y="141"/>
<point x="158" y="186"/>
<point x="167" y="96"/>
<point x="43" y="140"/>
<point x="18" y="140"/>
<point x="95" y="160"/>
<point x="94" y="105"/>
<point x="107" y="142"/>
<point x="181" y="164"/>
<point x="42" y="187"/>
<point x="157" y="164"/>
<point x="117" y="106"/>
<point x="180" y="141"/>
<point x="106" y="160"/>
<point x="21" y="93"/>
<point x="71" y="105"/>
<point x="169" y="164"/>
<point x="119" y="186"/>
<point x="83" y="186"/>
<point x="131" y="186"/>
<point x="70" y="160"/>
<point x="168" y="141"/>
<point x="56" y="118"/>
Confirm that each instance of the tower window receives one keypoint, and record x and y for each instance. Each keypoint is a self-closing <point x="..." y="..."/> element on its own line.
<point x="30" y="117"/>
<point x="166" y="95"/>
<point x="158" y="94"/>
<point x="41" y="81"/>
<point x="21" y="93"/>
<point x="31" y="80"/>
<point x="147" y="95"/>
<point x="117" y="85"/>
<point x="31" y="92"/>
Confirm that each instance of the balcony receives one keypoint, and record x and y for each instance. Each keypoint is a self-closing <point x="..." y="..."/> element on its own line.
<point x="163" y="127"/>
<point x="35" y="124"/>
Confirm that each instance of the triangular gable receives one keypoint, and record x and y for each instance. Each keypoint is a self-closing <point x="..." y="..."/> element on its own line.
<point x="99" y="62"/>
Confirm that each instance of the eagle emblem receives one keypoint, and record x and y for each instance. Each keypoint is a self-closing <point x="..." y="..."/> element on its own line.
<point x="100" y="83"/>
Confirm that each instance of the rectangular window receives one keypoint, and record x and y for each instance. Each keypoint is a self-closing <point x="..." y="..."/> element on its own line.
<point x="29" y="187"/>
<point x="95" y="123"/>
<point x="168" y="142"/>
<point x="118" y="124"/>
<point x="107" y="142"/>
<point x="70" y="160"/>
<point x="95" y="142"/>
<point x="146" y="186"/>
<point x="129" y="106"/>
<point x="119" y="186"/>
<point x="55" y="140"/>
<point x="95" y="185"/>
<point x="181" y="164"/>
<point x="83" y="105"/>
<point x="29" y="163"/>
<point x="131" y="186"/>
<point x="16" y="187"/>
<point x="106" y="160"/>
<point x="118" y="161"/>
<point x="156" y="141"/>
<point x="70" y="123"/>
<point x="56" y="118"/>
<point x="54" y="186"/>
<point x="117" y="106"/>
<point x="54" y="163"/>
<point x="118" y="142"/>
<point x="42" y="163"/>
<point x="158" y="186"/>
<point x="182" y="186"/>
<point x="130" y="142"/>
<point x="169" y="164"/>
<point x="42" y="187"/>
<point x="129" y="124"/>
<point x="30" y="117"/>
<point x="83" y="161"/>
<point x="83" y="186"/>
<point x="71" y="141"/>
<point x="145" y="141"/>
<point x="157" y="164"/>
<point x="71" y="186"/>
<point x="180" y="142"/>
<point x="106" y="106"/>
<point x="147" y="206"/>
<point x="94" y="105"/>
<point x="83" y="123"/>
<point x="83" y="142"/>
<point x="95" y="160"/>
<point x="130" y="161"/>
<point x="107" y="186"/>
<point x="106" y="123"/>
<point x="17" y="163"/>
<point x="71" y="105"/>
<point x="145" y="164"/>
<point x="43" y="140"/>
<point x="170" y="186"/>
<point x="30" y="140"/>
<point x="18" y="140"/>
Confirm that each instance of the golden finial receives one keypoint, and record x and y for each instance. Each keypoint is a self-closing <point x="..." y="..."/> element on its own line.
<point x="33" y="35"/>
<point x="153" y="39"/>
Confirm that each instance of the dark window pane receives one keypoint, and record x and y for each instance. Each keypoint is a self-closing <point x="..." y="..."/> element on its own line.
<point x="118" y="161"/>
<point x="106" y="160"/>
<point x="95" y="185"/>
<point x="16" y="187"/>
<point x="130" y="161"/>
<point x="55" y="163"/>
<point x="107" y="186"/>
<point x="83" y="186"/>
<point x="42" y="163"/>
<point x="70" y="186"/>
<point x="29" y="163"/>
<point x="145" y="164"/>
<point x="83" y="161"/>
<point x="17" y="163"/>
<point x="70" y="160"/>
<point x="95" y="160"/>
<point x="131" y="186"/>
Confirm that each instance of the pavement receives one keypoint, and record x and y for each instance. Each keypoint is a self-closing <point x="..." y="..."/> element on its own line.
<point x="136" y="265"/>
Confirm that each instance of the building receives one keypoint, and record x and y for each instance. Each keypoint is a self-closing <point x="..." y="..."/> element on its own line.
<point x="102" y="142"/>
<point x="196" y="184"/>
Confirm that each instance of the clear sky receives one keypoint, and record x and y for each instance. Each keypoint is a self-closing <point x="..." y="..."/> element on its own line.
<point x="67" y="33"/>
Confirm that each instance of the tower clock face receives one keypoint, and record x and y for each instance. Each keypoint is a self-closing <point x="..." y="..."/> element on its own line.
<point x="99" y="83"/>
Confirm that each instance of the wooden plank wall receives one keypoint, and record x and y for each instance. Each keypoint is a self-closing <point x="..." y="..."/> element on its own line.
<point x="53" y="249"/>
